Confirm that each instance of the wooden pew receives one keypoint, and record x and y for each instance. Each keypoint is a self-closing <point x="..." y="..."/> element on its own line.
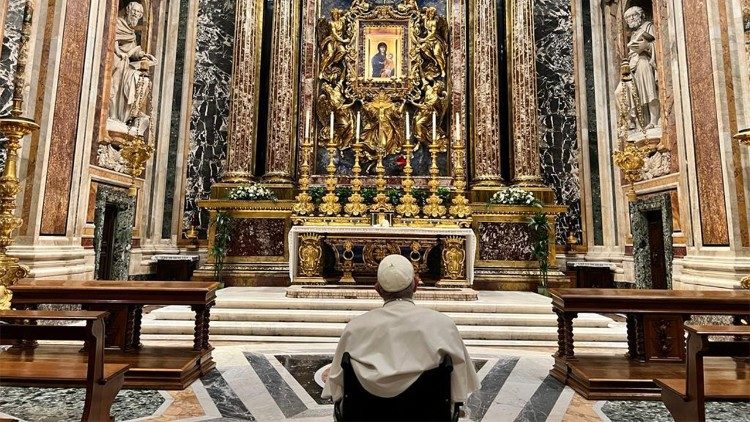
<point x="153" y="367"/>
<point x="102" y="381"/>
<point x="686" y="397"/>
<point x="655" y="335"/>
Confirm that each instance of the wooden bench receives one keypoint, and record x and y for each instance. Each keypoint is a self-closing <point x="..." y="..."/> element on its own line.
<point x="686" y="397"/>
<point x="655" y="336"/>
<point x="102" y="381"/>
<point x="158" y="367"/>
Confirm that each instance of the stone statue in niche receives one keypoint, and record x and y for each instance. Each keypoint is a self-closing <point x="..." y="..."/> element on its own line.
<point x="131" y="86"/>
<point x="641" y="56"/>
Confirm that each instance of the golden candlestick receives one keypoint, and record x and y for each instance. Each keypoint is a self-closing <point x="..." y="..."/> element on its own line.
<point x="381" y="199"/>
<point x="330" y="205"/>
<point x="304" y="204"/>
<point x="355" y="205"/>
<point x="744" y="136"/>
<point x="408" y="206"/>
<point x="15" y="128"/>
<point x="433" y="207"/>
<point x="135" y="151"/>
<point x="460" y="207"/>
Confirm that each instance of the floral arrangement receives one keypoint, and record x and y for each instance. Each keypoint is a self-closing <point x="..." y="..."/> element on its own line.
<point x="515" y="196"/>
<point x="254" y="192"/>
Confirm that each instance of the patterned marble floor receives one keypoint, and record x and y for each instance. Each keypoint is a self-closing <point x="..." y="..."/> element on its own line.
<point x="283" y="382"/>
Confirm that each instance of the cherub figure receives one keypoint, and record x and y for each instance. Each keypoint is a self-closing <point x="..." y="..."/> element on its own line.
<point x="332" y="42"/>
<point x="433" y="44"/>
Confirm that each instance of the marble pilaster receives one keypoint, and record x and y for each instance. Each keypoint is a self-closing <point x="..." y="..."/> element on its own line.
<point x="457" y="20"/>
<point x="245" y="85"/>
<point x="485" y="101"/>
<point x="280" y="150"/>
<point x="523" y="98"/>
<point x="210" y="105"/>
<point x="11" y="31"/>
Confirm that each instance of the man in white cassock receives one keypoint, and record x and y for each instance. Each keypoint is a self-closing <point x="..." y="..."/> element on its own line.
<point x="390" y="347"/>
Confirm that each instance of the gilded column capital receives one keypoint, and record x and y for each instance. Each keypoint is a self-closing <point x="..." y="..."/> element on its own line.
<point x="243" y="113"/>
<point x="523" y="95"/>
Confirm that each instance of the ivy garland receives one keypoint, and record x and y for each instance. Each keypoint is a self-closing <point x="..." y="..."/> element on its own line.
<point x="223" y="234"/>
<point x="540" y="228"/>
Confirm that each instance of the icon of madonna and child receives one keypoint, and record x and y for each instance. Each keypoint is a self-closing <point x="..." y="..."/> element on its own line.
<point x="383" y="49"/>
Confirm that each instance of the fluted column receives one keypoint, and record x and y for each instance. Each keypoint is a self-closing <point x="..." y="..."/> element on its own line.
<point x="243" y="111"/>
<point x="282" y="99"/>
<point x="485" y="102"/>
<point x="525" y="116"/>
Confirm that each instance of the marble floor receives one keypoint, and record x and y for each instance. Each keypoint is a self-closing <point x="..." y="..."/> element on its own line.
<point x="274" y="382"/>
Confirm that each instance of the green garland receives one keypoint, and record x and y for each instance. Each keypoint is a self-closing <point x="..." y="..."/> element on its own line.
<point x="222" y="236"/>
<point x="540" y="229"/>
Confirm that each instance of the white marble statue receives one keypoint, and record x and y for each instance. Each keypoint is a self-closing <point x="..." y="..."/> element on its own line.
<point x="130" y="84"/>
<point x="642" y="60"/>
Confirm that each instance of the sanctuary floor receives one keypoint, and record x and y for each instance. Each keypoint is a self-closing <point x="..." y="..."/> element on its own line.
<point x="282" y="381"/>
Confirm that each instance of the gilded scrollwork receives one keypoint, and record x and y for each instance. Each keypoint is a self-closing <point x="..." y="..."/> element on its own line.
<point x="418" y="85"/>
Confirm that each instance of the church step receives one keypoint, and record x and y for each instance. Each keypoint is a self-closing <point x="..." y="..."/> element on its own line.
<point x="366" y="305"/>
<point x="343" y="316"/>
<point x="249" y="328"/>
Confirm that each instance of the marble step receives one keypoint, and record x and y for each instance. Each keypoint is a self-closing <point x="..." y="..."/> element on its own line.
<point x="187" y="339"/>
<point x="367" y="304"/>
<point x="344" y="316"/>
<point x="251" y="328"/>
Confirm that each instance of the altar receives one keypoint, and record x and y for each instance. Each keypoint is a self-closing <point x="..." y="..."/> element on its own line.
<point x="351" y="254"/>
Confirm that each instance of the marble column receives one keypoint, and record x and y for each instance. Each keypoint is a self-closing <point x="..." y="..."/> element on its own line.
<point x="485" y="101"/>
<point x="523" y="96"/>
<point x="281" y="146"/>
<point x="243" y="113"/>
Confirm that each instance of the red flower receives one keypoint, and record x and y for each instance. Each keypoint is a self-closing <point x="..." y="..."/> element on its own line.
<point x="401" y="161"/>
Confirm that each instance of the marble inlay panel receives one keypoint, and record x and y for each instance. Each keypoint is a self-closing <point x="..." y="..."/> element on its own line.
<point x="504" y="242"/>
<point x="557" y="110"/>
<point x="641" y="246"/>
<point x="708" y="160"/>
<point x="655" y="411"/>
<point x="8" y="58"/>
<point x="66" y="404"/>
<point x="479" y="402"/>
<point x="257" y="237"/>
<point x="664" y="49"/>
<point x="65" y="120"/>
<point x="209" y="118"/>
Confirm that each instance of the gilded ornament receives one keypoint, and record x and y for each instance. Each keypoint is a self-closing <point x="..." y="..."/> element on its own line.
<point x="453" y="257"/>
<point x="310" y="254"/>
<point x="408" y="206"/>
<point x="743" y="136"/>
<point x="135" y="151"/>
<point x="745" y="283"/>
<point x="303" y="205"/>
<point x="355" y="204"/>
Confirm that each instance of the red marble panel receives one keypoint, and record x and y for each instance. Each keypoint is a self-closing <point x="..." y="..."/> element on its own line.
<point x="504" y="242"/>
<point x="65" y="119"/>
<point x="708" y="160"/>
<point x="257" y="237"/>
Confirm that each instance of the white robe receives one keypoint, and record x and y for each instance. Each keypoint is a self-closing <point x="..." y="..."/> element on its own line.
<point x="391" y="346"/>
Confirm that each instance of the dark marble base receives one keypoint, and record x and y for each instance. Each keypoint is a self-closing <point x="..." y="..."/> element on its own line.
<point x="66" y="404"/>
<point x="655" y="411"/>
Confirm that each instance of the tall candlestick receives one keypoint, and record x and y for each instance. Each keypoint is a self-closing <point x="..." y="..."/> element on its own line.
<point x="331" y="126"/>
<point x="358" y="125"/>
<point x="307" y="124"/>
<point x="458" y="125"/>
<point x="408" y="127"/>
<point x="434" y="125"/>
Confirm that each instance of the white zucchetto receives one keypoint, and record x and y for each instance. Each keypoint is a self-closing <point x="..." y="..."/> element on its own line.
<point x="395" y="273"/>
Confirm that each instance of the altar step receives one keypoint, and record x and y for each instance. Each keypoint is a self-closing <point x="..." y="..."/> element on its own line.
<point x="265" y="314"/>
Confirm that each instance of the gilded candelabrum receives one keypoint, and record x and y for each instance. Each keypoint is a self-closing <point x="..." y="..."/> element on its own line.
<point x="135" y="151"/>
<point x="304" y="205"/>
<point x="745" y="283"/>
<point x="433" y="207"/>
<point x="15" y="128"/>
<point x="408" y="206"/>
<point x="631" y="161"/>
<point x="355" y="205"/>
<point x="330" y="205"/>
<point x="381" y="199"/>
<point x="460" y="207"/>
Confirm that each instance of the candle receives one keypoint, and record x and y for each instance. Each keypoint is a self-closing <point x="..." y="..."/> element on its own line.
<point x="307" y="125"/>
<point x="408" y="130"/>
<point x="434" y="126"/>
<point x="358" y="124"/>
<point x="331" y="126"/>
<point x="458" y="126"/>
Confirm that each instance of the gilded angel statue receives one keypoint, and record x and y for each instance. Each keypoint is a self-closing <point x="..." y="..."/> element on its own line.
<point x="334" y="99"/>
<point x="407" y="6"/>
<point x="435" y="99"/>
<point x="433" y="45"/>
<point x="332" y="39"/>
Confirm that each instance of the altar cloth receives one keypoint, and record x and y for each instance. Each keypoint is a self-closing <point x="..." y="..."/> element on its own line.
<point x="470" y="240"/>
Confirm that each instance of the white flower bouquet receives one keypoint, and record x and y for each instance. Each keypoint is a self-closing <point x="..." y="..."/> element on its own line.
<point x="253" y="192"/>
<point x="515" y="196"/>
